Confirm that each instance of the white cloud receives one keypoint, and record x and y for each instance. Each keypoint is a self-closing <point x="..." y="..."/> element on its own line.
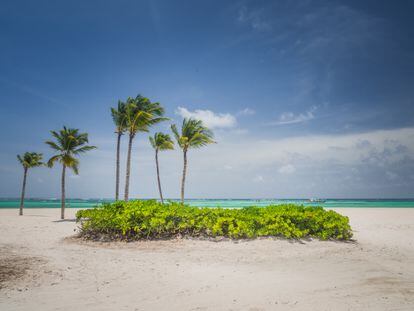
<point x="291" y="118"/>
<point x="239" y="131"/>
<point x="255" y="165"/>
<point x="258" y="178"/>
<point x="391" y="176"/>
<point x="257" y="162"/>
<point x="209" y="118"/>
<point x="261" y="25"/>
<point x="385" y="147"/>
<point x="242" y="14"/>
<point x="246" y="112"/>
<point x="254" y="18"/>
<point x="287" y="169"/>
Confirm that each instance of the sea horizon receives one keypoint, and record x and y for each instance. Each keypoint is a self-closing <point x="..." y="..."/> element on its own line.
<point x="222" y="202"/>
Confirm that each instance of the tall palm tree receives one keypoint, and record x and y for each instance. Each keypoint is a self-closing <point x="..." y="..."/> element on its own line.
<point x="69" y="144"/>
<point x="119" y="118"/>
<point x="141" y="114"/>
<point x="28" y="160"/>
<point x="160" y="142"/>
<point x="193" y="135"/>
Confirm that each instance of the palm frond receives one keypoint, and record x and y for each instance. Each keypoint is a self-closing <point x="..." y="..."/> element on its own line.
<point x="152" y="142"/>
<point x="119" y="117"/>
<point x="20" y="159"/>
<point x="141" y="114"/>
<point x="193" y="134"/>
<point x="53" y="145"/>
<point x="69" y="143"/>
<point x="176" y="134"/>
<point x="30" y="159"/>
<point x="161" y="141"/>
<point x="83" y="149"/>
<point x="75" y="168"/>
<point x="53" y="159"/>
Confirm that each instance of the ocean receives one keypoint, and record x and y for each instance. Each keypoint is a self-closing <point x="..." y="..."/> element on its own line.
<point x="228" y="203"/>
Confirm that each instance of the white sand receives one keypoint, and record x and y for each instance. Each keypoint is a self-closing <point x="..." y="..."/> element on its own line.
<point x="376" y="273"/>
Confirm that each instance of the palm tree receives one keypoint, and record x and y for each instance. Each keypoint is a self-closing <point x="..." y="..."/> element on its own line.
<point x="28" y="160"/>
<point x="69" y="144"/>
<point x="119" y="118"/>
<point x="160" y="142"/>
<point x="140" y="114"/>
<point x="193" y="135"/>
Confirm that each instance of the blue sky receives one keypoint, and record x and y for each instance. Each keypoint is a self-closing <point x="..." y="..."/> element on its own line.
<point x="306" y="98"/>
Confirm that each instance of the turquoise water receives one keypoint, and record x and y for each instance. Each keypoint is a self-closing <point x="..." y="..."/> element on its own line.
<point x="230" y="203"/>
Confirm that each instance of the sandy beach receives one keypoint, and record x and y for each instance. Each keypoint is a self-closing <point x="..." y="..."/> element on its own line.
<point x="42" y="268"/>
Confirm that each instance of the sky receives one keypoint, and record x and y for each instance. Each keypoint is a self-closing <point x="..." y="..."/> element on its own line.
<point x="306" y="98"/>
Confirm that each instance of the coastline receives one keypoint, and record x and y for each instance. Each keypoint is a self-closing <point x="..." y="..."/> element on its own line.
<point x="31" y="203"/>
<point x="376" y="272"/>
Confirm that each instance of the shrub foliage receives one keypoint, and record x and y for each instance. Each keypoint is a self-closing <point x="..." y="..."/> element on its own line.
<point x="136" y="220"/>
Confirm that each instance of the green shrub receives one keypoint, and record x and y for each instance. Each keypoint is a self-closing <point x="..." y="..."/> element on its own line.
<point x="136" y="220"/>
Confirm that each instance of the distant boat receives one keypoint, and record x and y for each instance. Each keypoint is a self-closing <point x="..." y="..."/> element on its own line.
<point x="315" y="200"/>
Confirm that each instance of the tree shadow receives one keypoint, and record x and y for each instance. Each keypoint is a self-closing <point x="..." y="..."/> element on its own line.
<point x="66" y="220"/>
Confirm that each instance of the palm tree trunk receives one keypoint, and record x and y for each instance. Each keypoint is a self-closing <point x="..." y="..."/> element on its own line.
<point x="128" y="168"/>
<point x="62" y="209"/>
<point x="23" y="191"/>
<point x="158" y="176"/>
<point x="184" y="173"/>
<point x="118" y="147"/>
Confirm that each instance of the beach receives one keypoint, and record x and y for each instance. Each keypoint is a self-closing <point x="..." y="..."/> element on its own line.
<point x="45" y="268"/>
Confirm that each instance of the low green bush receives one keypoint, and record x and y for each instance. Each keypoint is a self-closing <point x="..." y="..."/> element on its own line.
<point x="136" y="220"/>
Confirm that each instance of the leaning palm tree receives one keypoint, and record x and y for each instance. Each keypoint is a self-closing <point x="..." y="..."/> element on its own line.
<point x="160" y="142"/>
<point x="119" y="118"/>
<point x="28" y="160"/>
<point x="69" y="144"/>
<point x="193" y="135"/>
<point x="140" y="114"/>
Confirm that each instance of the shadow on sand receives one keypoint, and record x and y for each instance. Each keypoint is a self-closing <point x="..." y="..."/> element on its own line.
<point x="65" y="220"/>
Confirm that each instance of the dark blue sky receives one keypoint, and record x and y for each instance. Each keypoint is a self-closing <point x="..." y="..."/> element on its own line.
<point x="261" y="72"/>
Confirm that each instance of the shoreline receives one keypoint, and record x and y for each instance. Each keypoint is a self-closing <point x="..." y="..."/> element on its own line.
<point x="223" y="203"/>
<point x="374" y="273"/>
<point x="75" y="209"/>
